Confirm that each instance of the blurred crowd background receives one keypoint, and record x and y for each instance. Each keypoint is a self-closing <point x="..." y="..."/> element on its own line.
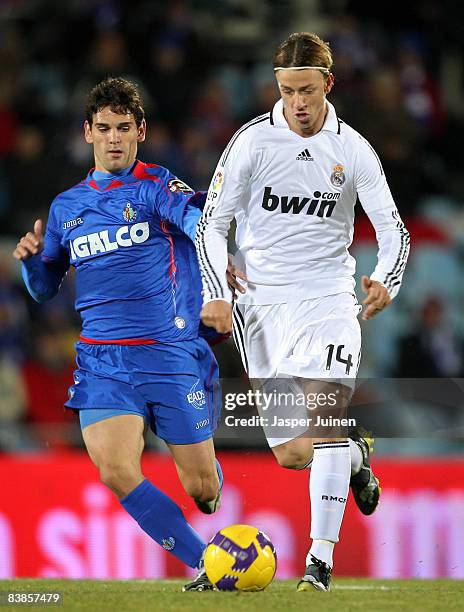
<point x="204" y="68"/>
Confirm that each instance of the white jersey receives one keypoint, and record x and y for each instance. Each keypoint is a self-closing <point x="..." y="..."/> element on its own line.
<point x="293" y="199"/>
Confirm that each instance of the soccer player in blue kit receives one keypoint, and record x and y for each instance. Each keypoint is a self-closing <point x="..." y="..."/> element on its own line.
<point x="128" y="230"/>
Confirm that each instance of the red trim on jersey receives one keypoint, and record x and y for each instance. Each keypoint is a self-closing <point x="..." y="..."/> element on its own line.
<point x="140" y="172"/>
<point x="172" y="262"/>
<point x="210" y="376"/>
<point x="124" y="341"/>
<point x="114" y="183"/>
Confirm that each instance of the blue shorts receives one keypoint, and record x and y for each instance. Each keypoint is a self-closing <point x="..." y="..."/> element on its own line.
<point x="174" y="387"/>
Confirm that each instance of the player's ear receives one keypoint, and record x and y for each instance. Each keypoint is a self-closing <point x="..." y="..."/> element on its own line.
<point x="142" y="131"/>
<point x="88" y="132"/>
<point x="329" y="83"/>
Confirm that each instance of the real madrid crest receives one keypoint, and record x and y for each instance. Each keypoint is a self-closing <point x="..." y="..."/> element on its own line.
<point x="337" y="178"/>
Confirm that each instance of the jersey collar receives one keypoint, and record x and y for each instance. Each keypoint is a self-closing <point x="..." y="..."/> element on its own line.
<point x="331" y="123"/>
<point x="102" y="181"/>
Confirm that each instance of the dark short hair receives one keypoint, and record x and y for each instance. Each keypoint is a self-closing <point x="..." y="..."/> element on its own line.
<point x="119" y="94"/>
<point x="303" y="49"/>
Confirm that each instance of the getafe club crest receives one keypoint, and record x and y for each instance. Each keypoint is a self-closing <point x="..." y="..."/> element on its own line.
<point x="168" y="543"/>
<point x="337" y="178"/>
<point x="129" y="213"/>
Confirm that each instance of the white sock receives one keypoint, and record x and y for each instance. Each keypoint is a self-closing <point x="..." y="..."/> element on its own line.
<point x="328" y="489"/>
<point x="323" y="550"/>
<point x="356" y="457"/>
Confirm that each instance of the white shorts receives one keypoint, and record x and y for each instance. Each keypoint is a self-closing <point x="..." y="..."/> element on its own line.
<point x="318" y="338"/>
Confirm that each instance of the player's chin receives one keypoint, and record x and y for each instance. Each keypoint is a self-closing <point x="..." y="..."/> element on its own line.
<point x="117" y="165"/>
<point x="117" y="162"/>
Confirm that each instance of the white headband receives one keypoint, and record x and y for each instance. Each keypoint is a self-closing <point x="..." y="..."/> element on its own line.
<point x="321" y="68"/>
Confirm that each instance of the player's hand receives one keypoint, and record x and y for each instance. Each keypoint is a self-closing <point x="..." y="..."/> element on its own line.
<point x="377" y="299"/>
<point x="232" y="274"/>
<point x="30" y="244"/>
<point x="218" y="314"/>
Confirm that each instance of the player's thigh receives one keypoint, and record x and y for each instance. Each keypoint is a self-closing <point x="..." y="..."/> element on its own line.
<point x="111" y="411"/>
<point x="327" y="403"/>
<point x="322" y="416"/>
<point x="185" y="402"/>
<point x="117" y="440"/>
<point x="260" y="332"/>
<point x="327" y="341"/>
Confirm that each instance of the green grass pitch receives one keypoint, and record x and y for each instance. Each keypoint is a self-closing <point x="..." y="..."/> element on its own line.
<point x="165" y="595"/>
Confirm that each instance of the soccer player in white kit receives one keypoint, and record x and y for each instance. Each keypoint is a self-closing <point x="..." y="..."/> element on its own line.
<point x="291" y="179"/>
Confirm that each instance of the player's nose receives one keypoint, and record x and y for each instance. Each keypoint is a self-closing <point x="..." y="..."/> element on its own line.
<point x="114" y="136"/>
<point x="300" y="102"/>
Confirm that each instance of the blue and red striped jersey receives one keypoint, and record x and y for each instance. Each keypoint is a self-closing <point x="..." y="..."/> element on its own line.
<point x="130" y="238"/>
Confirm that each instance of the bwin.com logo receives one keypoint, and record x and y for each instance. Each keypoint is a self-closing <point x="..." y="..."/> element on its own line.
<point x="196" y="397"/>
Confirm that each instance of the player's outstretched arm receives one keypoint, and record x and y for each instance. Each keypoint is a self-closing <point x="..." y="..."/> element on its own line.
<point x="30" y="244"/>
<point x="392" y="236"/>
<point x="42" y="279"/>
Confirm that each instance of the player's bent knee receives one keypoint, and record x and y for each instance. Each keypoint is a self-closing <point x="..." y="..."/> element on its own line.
<point x="210" y="490"/>
<point x="293" y="461"/>
<point x="192" y="487"/>
<point x="121" y="479"/>
<point x="202" y="489"/>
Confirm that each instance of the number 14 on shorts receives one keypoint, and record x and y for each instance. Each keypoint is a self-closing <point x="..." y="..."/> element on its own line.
<point x="348" y="361"/>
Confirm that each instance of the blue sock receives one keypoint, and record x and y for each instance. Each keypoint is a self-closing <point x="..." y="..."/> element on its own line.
<point x="164" y="521"/>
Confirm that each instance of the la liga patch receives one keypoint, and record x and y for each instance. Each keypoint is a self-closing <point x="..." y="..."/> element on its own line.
<point x="178" y="185"/>
<point x="218" y="180"/>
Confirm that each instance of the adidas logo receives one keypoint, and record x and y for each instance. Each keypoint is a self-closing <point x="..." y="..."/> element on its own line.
<point x="304" y="156"/>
